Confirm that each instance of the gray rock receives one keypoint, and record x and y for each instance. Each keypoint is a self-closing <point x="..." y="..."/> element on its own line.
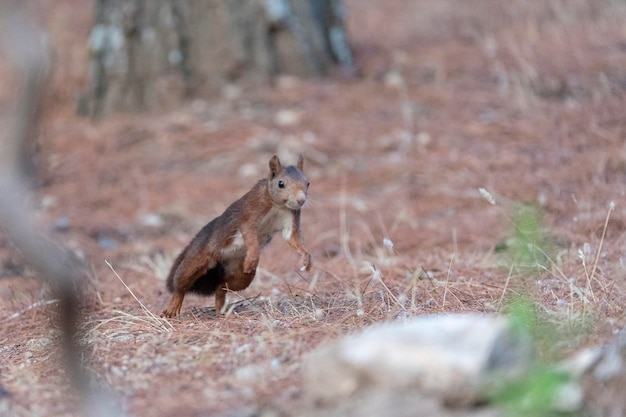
<point x="394" y="403"/>
<point x="455" y="357"/>
<point x="602" y="374"/>
<point x="612" y="359"/>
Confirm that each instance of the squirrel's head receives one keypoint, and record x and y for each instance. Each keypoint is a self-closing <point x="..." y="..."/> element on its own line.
<point x="288" y="186"/>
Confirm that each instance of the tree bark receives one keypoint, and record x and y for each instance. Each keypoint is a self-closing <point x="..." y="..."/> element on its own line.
<point x="153" y="53"/>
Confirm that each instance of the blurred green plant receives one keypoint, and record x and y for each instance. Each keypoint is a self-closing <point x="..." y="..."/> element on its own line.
<point x="538" y="391"/>
<point x="529" y="249"/>
<point x="526" y="318"/>
<point x="535" y="395"/>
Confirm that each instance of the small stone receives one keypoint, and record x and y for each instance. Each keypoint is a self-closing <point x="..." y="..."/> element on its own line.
<point x="48" y="201"/>
<point x="151" y="220"/>
<point x="249" y="372"/>
<point x="117" y="371"/>
<point x="393" y="79"/>
<point x="287" y="117"/>
<point x="107" y="242"/>
<point x="248" y="171"/>
<point x="423" y="139"/>
<point x="62" y="224"/>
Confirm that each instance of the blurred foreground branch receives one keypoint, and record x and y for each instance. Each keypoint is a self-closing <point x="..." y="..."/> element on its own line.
<point x="24" y="45"/>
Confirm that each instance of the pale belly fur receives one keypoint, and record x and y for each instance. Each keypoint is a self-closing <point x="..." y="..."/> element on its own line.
<point x="277" y="220"/>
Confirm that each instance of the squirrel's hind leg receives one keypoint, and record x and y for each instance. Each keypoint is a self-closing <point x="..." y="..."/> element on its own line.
<point x="173" y="308"/>
<point x="185" y="272"/>
<point x="220" y="299"/>
<point x="235" y="281"/>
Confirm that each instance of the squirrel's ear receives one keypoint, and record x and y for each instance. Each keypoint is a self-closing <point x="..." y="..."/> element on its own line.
<point x="275" y="166"/>
<point x="300" y="163"/>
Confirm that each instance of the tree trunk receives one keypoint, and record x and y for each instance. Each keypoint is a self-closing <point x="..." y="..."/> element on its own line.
<point x="152" y="53"/>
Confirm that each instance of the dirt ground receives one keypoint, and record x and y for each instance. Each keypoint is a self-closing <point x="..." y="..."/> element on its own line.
<point x="523" y="98"/>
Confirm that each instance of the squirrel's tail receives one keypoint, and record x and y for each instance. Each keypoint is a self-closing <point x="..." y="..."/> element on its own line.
<point x="207" y="284"/>
<point x="170" y="278"/>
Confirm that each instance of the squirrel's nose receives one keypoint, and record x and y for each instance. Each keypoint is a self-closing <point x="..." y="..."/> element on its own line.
<point x="301" y="199"/>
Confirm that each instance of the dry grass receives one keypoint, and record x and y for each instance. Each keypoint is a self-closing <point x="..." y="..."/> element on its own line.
<point x="524" y="99"/>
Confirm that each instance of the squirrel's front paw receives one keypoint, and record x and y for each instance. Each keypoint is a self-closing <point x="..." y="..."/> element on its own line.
<point x="306" y="262"/>
<point x="249" y="265"/>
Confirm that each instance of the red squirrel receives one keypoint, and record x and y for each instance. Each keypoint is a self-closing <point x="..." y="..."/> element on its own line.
<point x="225" y="253"/>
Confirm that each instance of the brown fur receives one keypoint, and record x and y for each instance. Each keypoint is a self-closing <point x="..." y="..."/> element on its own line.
<point x="225" y="253"/>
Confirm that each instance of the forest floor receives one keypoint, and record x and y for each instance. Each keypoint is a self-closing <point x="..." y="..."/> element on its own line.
<point x="524" y="100"/>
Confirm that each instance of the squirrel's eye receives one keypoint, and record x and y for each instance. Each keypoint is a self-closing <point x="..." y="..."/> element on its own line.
<point x="281" y="184"/>
<point x="307" y="184"/>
